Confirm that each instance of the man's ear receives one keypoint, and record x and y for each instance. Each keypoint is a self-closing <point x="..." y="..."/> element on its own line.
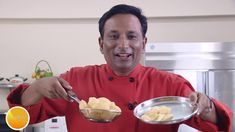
<point x="144" y="44"/>
<point x="101" y="45"/>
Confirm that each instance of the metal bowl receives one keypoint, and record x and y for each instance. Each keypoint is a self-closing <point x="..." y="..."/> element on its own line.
<point x="181" y="107"/>
<point x="96" y="115"/>
<point x="99" y="115"/>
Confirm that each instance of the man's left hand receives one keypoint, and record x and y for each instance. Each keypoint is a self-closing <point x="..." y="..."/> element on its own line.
<point x="206" y="108"/>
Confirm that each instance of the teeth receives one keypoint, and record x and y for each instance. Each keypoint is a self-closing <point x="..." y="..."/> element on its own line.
<point x="123" y="55"/>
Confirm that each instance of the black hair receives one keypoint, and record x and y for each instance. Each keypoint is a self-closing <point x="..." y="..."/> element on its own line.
<point x="123" y="9"/>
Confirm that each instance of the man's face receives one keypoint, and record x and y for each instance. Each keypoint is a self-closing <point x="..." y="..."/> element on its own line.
<point x="122" y="43"/>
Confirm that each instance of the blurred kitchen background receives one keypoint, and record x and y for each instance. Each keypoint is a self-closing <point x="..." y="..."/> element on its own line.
<point x="65" y="33"/>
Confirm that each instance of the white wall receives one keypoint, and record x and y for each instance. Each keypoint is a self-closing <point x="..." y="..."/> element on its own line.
<point x="63" y="43"/>
<point x="95" y="8"/>
<point x="65" y="33"/>
<point x="192" y="29"/>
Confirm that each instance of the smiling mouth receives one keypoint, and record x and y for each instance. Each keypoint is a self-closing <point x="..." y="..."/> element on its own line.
<point x="123" y="56"/>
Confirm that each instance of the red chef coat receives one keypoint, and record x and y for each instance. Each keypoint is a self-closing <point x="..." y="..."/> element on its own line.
<point x="141" y="84"/>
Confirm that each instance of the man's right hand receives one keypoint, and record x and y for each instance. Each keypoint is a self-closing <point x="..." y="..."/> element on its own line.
<point x="50" y="87"/>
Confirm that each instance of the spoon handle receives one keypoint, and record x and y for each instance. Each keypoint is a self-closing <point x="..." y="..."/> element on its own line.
<point x="73" y="96"/>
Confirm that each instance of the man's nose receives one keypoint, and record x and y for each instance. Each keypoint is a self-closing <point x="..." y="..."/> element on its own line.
<point x="123" y="43"/>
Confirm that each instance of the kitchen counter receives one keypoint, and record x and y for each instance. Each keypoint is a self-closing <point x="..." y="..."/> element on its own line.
<point x="5" y="89"/>
<point x="6" y="86"/>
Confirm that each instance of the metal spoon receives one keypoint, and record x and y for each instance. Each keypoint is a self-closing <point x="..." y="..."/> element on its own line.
<point x="73" y="96"/>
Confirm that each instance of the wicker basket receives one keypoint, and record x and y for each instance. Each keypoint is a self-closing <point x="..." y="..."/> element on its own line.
<point x="42" y="72"/>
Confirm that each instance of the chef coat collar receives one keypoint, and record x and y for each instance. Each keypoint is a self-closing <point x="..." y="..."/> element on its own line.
<point x="134" y="73"/>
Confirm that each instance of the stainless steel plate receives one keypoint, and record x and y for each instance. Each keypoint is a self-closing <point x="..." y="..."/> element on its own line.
<point x="181" y="108"/>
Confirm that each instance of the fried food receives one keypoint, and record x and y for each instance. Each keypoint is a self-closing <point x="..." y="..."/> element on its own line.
<point x="99" y="103"/>
<point x="158" y="113"/>
<point x="99" y="108"/>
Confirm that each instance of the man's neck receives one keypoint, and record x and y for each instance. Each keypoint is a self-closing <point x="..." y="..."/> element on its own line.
<point x="124" y="72"/>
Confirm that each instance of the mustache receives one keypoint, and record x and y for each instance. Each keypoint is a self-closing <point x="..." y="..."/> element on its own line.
<point x="123" y="51"/>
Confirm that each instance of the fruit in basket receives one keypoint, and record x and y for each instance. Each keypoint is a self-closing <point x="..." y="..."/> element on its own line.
<point x="34" y="75"/>
<point x="39" y="73"/>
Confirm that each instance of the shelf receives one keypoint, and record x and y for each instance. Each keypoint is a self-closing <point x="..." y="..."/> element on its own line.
<point x="6" y="86"/>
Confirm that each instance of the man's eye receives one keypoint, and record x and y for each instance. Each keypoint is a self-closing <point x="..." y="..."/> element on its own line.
<point x="113" y="36"/>
<point x="132" y="37"/>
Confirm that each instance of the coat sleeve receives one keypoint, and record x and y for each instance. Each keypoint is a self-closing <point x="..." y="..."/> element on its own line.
<point x="45" y="109"/>
<point x="224" y="114"/>
<point x="224" y="117"/>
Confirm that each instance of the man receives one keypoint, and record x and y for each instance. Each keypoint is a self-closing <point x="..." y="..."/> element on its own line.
<point x="122" y="80"/>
